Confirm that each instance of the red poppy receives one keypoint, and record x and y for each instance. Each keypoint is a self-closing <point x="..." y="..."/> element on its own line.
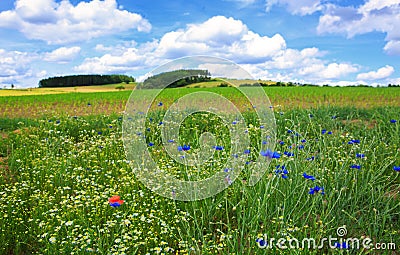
<point x="115" y="201"/>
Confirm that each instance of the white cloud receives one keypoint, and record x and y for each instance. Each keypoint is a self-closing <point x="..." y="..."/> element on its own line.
<point x="264" y="57"/>
<point x="392" y="47"/>
<point x="62" y="55"/>
<point x="60" y="23"/>
<point x="15" y="66"/>
<point x="299" y="7"/>
<point x="375" y="15"/>
<point x="222" y="36"/>
<point x="218" y="36"/>
<point x="381" y="73"/>
<point x="129" y="60"/>
<point x="332" y="71"/>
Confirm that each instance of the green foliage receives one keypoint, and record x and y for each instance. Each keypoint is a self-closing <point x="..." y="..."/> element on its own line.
<point x="84" y="80"/>
<point x="120" y="87"/>
<point x="174" y="79"/>
<point x="223" y="85"/>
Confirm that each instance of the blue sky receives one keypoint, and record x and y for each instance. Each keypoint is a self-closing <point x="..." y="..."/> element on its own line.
<point x="310" y="41"/>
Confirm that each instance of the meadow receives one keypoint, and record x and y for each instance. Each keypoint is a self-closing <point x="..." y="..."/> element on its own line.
<point x="336" y="164"/>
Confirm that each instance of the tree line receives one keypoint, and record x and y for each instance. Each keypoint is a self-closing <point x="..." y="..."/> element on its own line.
<point x="174" y="79"/>
<point x="84" y="80"/>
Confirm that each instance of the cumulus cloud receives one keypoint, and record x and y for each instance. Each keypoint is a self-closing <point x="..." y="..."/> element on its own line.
<point x="129" y="60"/>
<point x="299" y="7"/>
<point x="60" y="23"/>
<point x="15" y="66"/>
<point x="264" y="57"/>
<point x="218" y="36"/>
<point x="222" y="36"/>
<point x="62" y="55"/>
<point x="374" y="15"/>
<point x="381" y="73"/>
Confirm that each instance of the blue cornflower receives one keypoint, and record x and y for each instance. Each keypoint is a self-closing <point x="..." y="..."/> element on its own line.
<point x="110" y="126"/>
<point x="151" y="144"/>
<point x="160" y="104"/>
<point x="247" y="151"/>
<point x="281" y="142"/>
<point x="353" y="141"/>
<point x="316" y="189"/>
<point x="261" y="243"/>
<point x="309" y="177"/>
<point x="281" y="171"/>
<point x="341" y="245"/>
<point x="218" y="148"/>
<point x="99" y="133"/>
<point x="289" y="131"/>
<point x="360" y="155"/>
<point x="160" y="123"/>
<point x="270" y="154"/>
<point x="228" y="180"/>
<point x="289" y="154"/>
<point x="330" y="132"/>
<point x="89" y="104"/>
<point x="355" y="166"/>
<point x="58" y="121"/>
<point x="234" y="122"/>
<point x="261" y="126"/>
<point x="300" y="146"/>
<point x="264" y="142"/>
<point x="303" y="141"/>
<point x="310" y="158"/>
<point x="184" y="148"/>
<point x="310" y="115"/>
<point x="334" y="117"/>
<point x="393" y="121"/>
<point x="171" y="141"/>
<point x="323" y="131"/>
<point x="396" y="168"/>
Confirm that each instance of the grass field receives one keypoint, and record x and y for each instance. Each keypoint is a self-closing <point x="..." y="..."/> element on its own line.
<point x="78" y="89"/>
<point x="62" y="158"/>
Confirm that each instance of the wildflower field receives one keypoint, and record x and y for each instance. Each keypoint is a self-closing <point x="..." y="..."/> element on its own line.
<point x="66" y="186"/>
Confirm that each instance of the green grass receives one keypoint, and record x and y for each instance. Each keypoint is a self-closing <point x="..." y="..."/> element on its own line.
<point x="58" y="171"/>
<point x="114" y="102"/>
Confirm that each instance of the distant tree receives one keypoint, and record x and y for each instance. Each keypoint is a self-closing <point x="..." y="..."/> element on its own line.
<point x="174" y="78"/>
<point x="84" y="80"/>
<point x="12" y="85"/>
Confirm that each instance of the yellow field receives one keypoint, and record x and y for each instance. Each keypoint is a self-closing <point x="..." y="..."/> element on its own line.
<point x="82" y="89"/>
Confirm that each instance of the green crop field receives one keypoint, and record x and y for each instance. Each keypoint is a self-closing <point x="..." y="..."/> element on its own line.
<point x="336" y="165"/>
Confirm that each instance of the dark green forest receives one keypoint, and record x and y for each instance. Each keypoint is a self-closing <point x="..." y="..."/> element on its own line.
<point x="175" y="79"/>
<point x="84" y="80"/>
